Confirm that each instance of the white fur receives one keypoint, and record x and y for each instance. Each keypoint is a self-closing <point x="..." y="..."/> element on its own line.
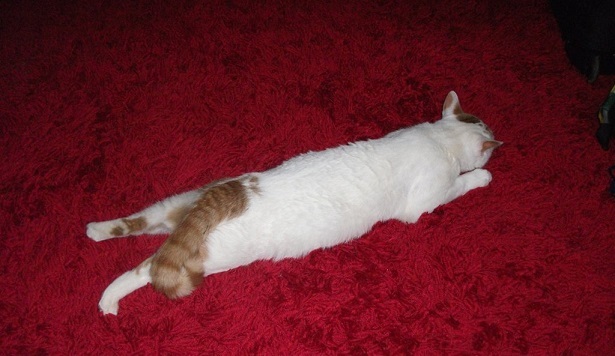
<point x="121" y="287"/>
<point x="321" y="199"/>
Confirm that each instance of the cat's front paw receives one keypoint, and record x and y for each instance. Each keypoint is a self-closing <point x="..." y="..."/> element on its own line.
<point x="480" y="177"/>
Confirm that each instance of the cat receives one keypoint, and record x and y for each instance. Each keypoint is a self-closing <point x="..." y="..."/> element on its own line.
<point x="315" y="200"/>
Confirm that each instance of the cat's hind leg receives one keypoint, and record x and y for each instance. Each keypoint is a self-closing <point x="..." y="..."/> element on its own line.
<point x="123" y="285"/>
<point x="160" y="218"/>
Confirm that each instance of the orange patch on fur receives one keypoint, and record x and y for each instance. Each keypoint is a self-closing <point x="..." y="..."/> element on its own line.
<point x="177" y="215"/>
<point x="253" y="185"/>
<point x="137" y="224"/>
<point x="177" y="267"/>
<point x="469" y="119"/>
<point x="117" y="231"/>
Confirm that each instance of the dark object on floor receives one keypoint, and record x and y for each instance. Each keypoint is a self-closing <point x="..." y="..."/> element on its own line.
<point x="612" y="186"/>
<point x="588" y="30"/>
<point x="606" y="115"/>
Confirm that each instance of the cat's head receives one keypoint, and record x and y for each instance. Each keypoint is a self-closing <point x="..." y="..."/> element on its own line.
<point x="475" y="141"/>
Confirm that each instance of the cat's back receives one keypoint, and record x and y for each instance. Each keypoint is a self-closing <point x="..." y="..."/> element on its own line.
<point x="335" y="171"/>
<point x="364" y="160"/>
<point x="363" y="178"/>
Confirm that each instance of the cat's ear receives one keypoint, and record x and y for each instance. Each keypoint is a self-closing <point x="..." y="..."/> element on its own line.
<point x="491" y="144"/>
<point x="451" y="105"/>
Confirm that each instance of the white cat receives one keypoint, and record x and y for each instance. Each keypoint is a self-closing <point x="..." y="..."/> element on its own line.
<point x="315" y="200"/>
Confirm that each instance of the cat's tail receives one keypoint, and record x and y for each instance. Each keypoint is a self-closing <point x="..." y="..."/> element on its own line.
<point x="177" y="267"/>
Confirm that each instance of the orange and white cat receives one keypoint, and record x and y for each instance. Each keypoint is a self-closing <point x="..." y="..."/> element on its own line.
<point x="315" y="200"/>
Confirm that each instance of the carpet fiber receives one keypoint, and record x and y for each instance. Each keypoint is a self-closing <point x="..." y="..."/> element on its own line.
<point x="108" y="106"/>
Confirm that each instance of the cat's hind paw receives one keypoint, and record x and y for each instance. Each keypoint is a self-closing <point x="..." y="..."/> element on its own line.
<point x="110" y="299"/>
<point x="108" y="305"/>
<point x="98" y="231"/>
<point x="124" y="285"/>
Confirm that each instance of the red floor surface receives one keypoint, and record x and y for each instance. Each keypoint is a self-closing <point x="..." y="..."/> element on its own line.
<point x="108" y="106"/>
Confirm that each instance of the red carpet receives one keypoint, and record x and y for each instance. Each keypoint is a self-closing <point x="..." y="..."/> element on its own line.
<point x="106" y="108"/>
